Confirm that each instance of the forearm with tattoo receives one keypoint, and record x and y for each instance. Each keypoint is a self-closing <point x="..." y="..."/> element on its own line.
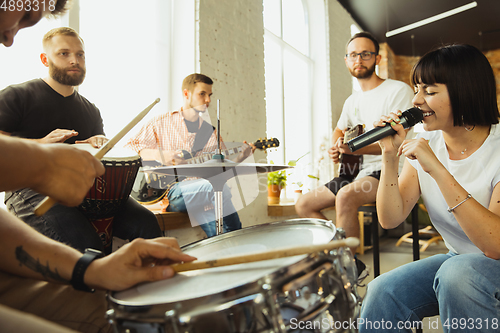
<point x="34" y="264"/>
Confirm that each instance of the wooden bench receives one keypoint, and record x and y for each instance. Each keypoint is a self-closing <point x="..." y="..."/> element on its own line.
<point x="169" y="220"/>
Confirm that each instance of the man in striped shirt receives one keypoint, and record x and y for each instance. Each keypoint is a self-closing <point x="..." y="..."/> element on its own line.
<point x="166" y="136"/>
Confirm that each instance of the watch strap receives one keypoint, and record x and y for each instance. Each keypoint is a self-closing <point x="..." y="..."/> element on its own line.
<point x="81" y="267"/>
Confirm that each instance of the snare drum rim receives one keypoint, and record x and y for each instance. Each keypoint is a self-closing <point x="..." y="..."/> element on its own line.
<point x="284" y="223"/>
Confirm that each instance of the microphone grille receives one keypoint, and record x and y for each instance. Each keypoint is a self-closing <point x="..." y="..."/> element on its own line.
<point x="413" y="116"/>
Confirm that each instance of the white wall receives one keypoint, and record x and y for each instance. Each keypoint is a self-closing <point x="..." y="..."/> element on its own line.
<point x="231" y="51"/>
<point x="339" y="32"/>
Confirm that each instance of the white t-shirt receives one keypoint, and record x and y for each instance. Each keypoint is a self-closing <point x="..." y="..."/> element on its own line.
<point x="366" y="107"/>
<point x="477" y="174"/>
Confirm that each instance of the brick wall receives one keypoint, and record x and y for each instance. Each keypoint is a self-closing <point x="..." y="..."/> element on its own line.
<point x="399" y="67"/>
<point x="494" y="59"/>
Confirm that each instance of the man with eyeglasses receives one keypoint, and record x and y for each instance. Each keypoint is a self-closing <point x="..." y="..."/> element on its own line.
<point x="377" y="97"/>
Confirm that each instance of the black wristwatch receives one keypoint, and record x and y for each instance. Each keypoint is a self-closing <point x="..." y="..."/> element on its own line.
<point x="81" y="266"/>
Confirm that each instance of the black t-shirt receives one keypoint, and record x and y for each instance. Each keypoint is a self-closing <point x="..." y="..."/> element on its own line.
<point x="33" y="109"/>
<point x="192" y="126"/>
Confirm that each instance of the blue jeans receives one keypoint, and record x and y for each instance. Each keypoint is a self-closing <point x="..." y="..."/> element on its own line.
<point x="463" y="289"/>
<point x="196" y="197"/>
<point x="70" y="226"/>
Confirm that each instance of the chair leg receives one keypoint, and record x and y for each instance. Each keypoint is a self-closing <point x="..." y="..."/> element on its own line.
<point x="416" y="241"/>
<point x="376" y="247"/>
<point x="361" y="247"/>
<point x="415" y="233"/>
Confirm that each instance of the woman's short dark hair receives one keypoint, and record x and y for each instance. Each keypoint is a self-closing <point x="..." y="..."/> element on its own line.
<point x="469" y="78"/>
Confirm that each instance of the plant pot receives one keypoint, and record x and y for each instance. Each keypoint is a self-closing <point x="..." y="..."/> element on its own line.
<point x="297" y="194"/>
<point x="273" y="194"/>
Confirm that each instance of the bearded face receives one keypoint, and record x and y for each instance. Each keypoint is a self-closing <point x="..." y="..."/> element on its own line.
<point x="365" y="73"/>
<point x="70" y="76"/>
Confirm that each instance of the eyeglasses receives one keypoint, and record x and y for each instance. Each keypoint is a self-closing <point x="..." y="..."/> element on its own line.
<point x="365" y="55"/>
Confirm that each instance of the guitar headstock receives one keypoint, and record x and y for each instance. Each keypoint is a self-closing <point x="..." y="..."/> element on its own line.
<point x="267" y="143"/>
<point x="353" y="132"/>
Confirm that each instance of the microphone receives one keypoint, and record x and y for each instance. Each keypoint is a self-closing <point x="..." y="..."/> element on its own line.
<point x="408" y="119"/>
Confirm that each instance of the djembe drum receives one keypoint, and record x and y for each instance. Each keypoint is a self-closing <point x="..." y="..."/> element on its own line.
<point x="110" y="191"/>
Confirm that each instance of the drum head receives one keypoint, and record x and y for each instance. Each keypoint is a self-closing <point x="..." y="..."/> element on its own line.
<point x="199" y="283"/>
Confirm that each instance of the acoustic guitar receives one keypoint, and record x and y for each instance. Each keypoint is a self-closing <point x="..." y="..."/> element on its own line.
<point x="350" y="164"/>
<point x="150" y="188"/>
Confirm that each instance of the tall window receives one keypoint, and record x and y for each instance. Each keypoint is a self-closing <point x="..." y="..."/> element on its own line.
<point x="288" y="69"/>
<point x="129" y="55"/>
<point x="129" y="61"/>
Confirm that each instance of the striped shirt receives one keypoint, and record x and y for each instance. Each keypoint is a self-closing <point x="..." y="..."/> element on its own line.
<point x="169" y="132"/>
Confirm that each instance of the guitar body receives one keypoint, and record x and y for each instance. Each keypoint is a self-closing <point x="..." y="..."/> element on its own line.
<point x="149" y="188"/>
<point x="350" y="164"/>
<point x="147" y="192"/>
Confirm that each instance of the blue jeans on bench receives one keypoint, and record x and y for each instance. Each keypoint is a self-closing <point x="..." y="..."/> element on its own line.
<point x="196" y="197"/>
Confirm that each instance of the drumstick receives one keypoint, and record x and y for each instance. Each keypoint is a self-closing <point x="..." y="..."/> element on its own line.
<point x="48" y="202"/>
<point x="273" y="254"/>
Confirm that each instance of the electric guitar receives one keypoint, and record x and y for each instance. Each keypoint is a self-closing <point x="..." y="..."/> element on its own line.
<point x="150" y="188"/>
<point x="350" y="164"/>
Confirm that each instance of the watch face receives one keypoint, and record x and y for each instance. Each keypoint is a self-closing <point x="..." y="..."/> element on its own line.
<point x="93" y="251"/>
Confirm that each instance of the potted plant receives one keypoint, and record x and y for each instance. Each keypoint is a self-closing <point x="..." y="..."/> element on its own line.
<point x="276" y="180"/>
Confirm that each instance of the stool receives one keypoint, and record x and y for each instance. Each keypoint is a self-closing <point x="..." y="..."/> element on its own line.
<point x="428" y="233"/>
<point x="372" y="208"/>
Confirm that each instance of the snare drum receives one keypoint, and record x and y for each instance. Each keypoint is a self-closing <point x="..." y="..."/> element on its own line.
<point x="267" y="296"/>
<point x="111" y="190"/>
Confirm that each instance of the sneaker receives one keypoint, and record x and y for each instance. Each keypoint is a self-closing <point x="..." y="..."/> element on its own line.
<point x="363" y="271"/>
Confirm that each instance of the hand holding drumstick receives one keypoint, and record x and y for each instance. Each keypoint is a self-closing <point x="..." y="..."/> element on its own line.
<point x="273" y="254"/>
<point x="48" y="202"/>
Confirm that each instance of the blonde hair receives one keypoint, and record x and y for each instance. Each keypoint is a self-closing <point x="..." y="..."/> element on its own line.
<point x="191" y="80"/>
<point x="63" y="31"/>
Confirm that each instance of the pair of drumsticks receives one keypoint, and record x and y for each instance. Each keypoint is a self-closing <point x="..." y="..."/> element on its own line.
<point x="48" y="202"/>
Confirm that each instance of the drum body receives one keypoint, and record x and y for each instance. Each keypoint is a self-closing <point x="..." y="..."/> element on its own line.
<point x="279" y="295"/>
<point x="111" y="190"/>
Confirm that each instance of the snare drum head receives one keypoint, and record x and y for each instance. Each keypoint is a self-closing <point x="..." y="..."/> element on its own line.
<point x="115" y="154"/>
<point x="199" y="283"/>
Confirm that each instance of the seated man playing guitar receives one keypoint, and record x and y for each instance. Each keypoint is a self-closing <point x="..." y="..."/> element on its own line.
<point x="349" y="191"/>
<point x="169" y="137"/>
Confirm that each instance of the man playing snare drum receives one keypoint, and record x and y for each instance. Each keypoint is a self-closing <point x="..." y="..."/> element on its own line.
<point x="50" y="110"/>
